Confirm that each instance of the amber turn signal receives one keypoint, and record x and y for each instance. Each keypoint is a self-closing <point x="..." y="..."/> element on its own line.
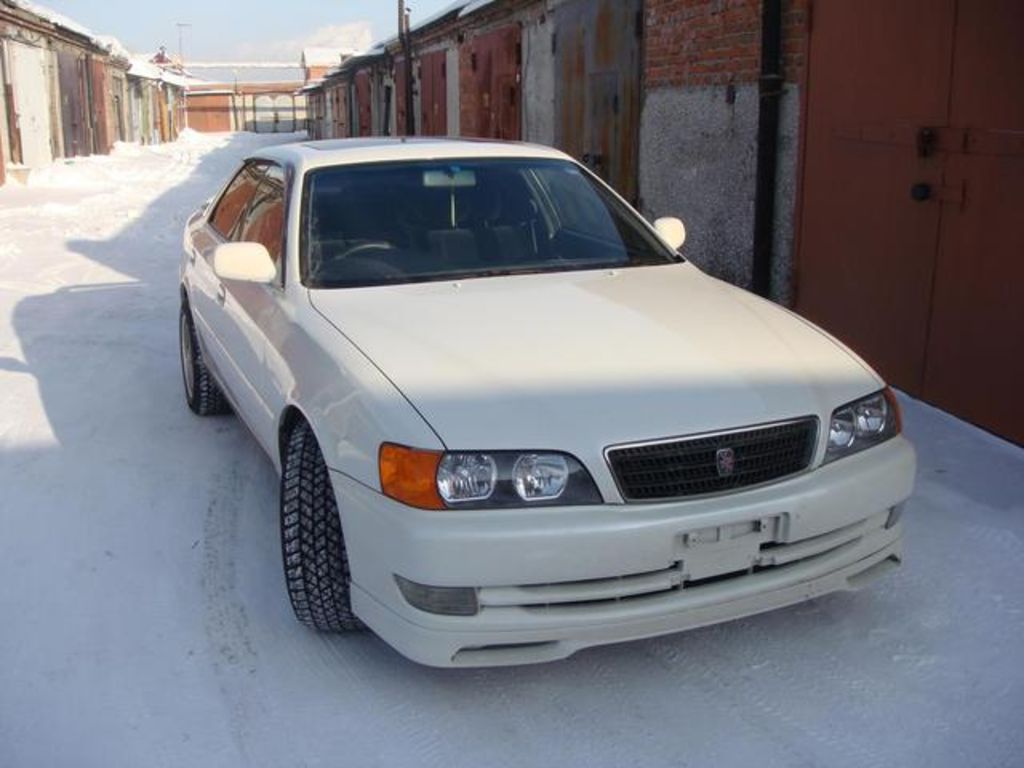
<point x="409" y="475"/>
<point x="894" y="405"/>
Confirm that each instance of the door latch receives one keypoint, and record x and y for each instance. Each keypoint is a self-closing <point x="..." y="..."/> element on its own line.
<point x="927" y="139"/>
<point x="954" y="194"/>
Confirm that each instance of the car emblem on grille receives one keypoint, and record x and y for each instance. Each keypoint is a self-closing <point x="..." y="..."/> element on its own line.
<point x="725" y="460"/>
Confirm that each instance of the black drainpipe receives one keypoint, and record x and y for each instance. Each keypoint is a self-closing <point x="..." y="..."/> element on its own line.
<point x="770" y="90"/>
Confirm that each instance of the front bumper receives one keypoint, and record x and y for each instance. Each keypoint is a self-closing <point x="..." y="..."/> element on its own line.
<point x="552" y="581"/>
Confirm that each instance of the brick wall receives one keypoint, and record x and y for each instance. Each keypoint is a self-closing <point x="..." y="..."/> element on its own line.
<point x="712" y="42"/>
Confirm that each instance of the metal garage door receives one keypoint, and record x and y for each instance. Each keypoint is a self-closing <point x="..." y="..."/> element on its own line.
<point x="72" y="104"/>
<point x="492" y="89"/>
<point x="31" y="103"/>
<point x="910" y="249"/>
<point x="274" y="113"/>
<point x="597" y="87"/>
<point x="434" y="93"/>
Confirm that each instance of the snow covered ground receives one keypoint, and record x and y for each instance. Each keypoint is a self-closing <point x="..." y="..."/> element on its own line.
<point x="143" y="619"/>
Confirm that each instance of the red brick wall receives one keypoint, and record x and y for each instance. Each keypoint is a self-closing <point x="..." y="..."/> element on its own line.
<point x="317" y="73"/>
<point x="713" y="42"/>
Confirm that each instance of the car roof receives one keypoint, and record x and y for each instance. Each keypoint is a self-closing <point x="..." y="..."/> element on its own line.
<point x="307" y="155"/>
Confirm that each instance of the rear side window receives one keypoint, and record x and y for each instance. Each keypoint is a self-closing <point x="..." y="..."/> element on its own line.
<point x="235" y="200"/>
<point x="264" y="220"/>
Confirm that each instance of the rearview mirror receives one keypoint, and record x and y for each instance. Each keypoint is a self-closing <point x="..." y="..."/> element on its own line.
<point x="672" y="231"/>
<point x="452" y="178"/>
<point x="246" y="262"/>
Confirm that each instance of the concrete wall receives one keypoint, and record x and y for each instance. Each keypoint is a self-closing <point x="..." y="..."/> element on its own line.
<point x="698" y="143"/>
<point x="538" y="81"/>
<point x="698" y="160"/>
<point x="452" y="90"/>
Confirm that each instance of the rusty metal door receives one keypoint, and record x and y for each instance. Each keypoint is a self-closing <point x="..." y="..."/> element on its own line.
<point x="363" y="102"/>
<point x="72" y="106"/>
<point x="401" y="73"/>
<point x="434" y="94"/>
<point x="98" y="92"/>
<point x="598" y="85"/>
<point x="907" y="246"/>
<point x="491" y="83"/>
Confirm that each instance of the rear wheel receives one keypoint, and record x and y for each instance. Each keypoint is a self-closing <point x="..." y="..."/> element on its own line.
<point x="315" y="561"/>
<point x="201" y="392"/>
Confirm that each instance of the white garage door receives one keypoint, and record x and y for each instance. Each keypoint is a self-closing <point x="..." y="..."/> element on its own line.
<point x="31" y="103"/>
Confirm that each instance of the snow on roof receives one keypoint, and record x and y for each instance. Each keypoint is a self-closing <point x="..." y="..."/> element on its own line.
<point x="143" y="68"/>
<point x="324" y="57"/>
<point x="57" y="19"/>
<point x="107" y="42"/>
<point x="460" y="7"/>
<point x="243" y="65"/>
<point x="113" y="45"/>
<point x="147" y="70"/>
<point x="243" y="73"/>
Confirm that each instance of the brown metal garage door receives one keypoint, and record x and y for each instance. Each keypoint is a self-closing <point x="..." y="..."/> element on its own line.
<point x="911" y="246"/>
<point x="490" y="83"/>
<point x="597" y="87"/>
<point x="434" y="93"/>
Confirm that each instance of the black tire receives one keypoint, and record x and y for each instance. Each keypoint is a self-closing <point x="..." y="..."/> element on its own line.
<point x="315" y="561"/>
<point x="202" y="394"/>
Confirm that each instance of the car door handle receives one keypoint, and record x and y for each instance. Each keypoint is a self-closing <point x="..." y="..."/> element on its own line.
<point x="222" y="294"/>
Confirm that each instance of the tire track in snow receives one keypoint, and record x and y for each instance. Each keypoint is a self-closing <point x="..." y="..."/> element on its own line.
<point x="225" y="623"/>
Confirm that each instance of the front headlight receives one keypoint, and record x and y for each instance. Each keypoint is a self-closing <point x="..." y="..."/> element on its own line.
<point x="862" y="424"/>
<point x="484" y="479"/>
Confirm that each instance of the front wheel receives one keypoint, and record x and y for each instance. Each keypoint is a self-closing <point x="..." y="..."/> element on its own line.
<point x="315" y="561"/>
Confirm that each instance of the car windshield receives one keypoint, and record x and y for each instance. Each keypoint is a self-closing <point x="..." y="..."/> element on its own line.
<point x="408" y="222"/>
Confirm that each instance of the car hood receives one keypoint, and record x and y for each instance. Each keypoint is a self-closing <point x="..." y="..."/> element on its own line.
<point x="578" y="361"/>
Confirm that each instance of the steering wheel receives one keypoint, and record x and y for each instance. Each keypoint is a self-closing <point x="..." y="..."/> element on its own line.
<point x="376" y="245"/>
<point x="364" y="263"/>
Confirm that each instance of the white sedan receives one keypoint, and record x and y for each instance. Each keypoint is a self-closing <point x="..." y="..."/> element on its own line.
<point x="511" y="421"/>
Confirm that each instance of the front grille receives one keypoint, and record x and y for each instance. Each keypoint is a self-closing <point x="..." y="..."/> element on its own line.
<point x="692" y="466"/>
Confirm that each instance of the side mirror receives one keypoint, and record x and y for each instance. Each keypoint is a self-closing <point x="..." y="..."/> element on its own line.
<point x="672" y="231"/>
<point x="246" y="262"/>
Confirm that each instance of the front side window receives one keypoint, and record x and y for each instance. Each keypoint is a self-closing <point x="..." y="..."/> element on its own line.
<point x="235" y="201"/>
<point x="406" y="222"/>
<point x="264" y="220"/>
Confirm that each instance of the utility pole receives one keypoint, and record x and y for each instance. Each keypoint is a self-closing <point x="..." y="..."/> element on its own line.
<point x="406" y="41"/>
<point x="182" y="25"/>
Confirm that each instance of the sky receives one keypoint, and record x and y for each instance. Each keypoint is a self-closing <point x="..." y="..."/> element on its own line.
<point x="266" y="30"/>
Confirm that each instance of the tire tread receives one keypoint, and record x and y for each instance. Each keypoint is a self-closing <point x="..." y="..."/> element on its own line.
<point x="316" y="566"/>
